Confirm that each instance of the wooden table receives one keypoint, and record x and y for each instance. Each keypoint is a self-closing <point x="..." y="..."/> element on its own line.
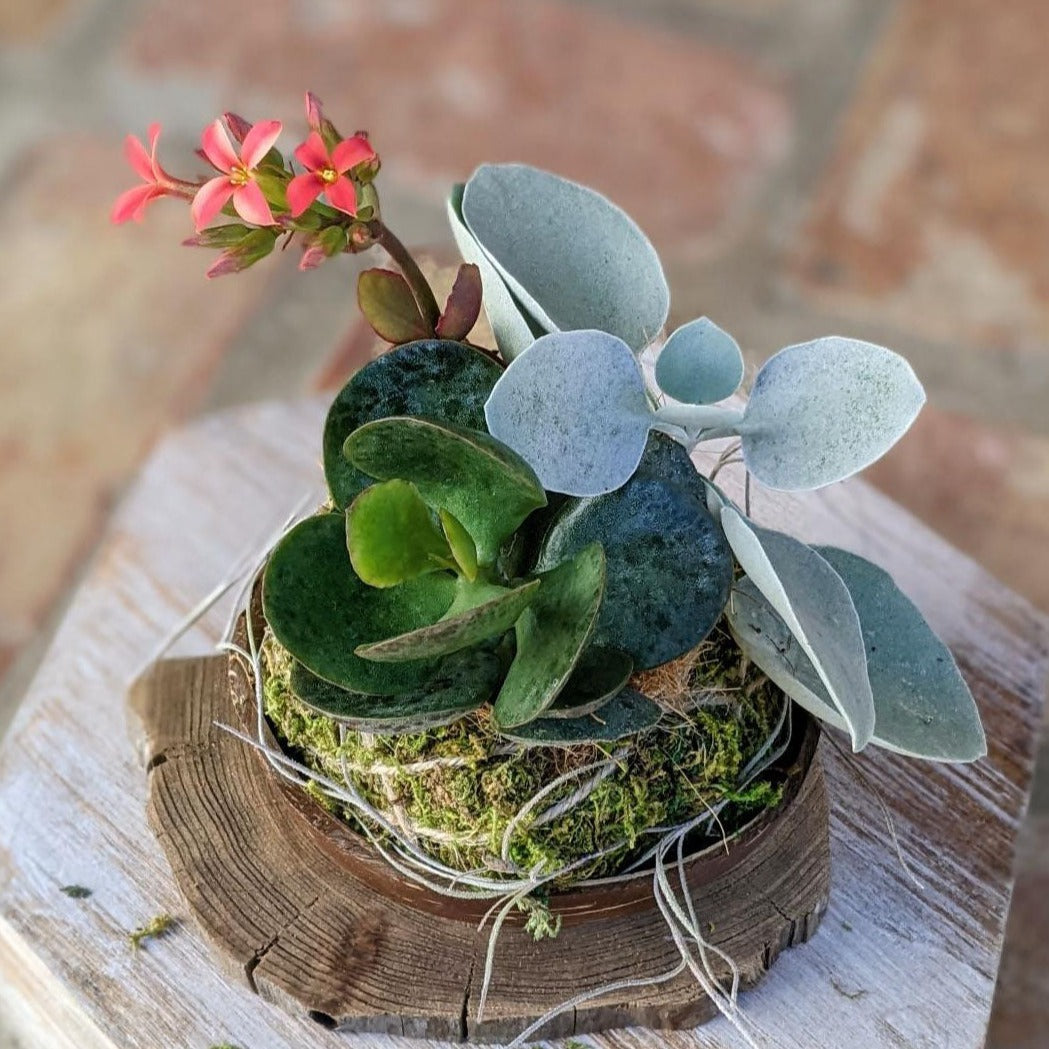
<point x="892" y="965"/>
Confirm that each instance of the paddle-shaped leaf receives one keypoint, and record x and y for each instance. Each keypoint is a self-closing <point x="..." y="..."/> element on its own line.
<point x="625" y="714"/>
<point x="699" y="364"/>
<point x="487" y="487"/>
<point x="468" y="626"/>
<point x="574" y="406"/>
<point x="570" y="256"/>
<point x="392" y="536"/>
<point x="600" y="674"/>
<point x="822" y="411"/>
<point x="464" y="682"/>
<point x="551" y="634"/>
<point x="321" y="611"/>
<point x="815" y="604"/>
<point x="669" y="569"/>
<point x="923" y="707"/>
<point x="512" y="329"/>
<point x="388" y="305"/>
<point x="442" y="380"/>
<point x="463" y="306"/>
<point x="463" y="548"/>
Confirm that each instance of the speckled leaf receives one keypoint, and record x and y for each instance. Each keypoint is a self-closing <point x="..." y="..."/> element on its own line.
<point x="388" y="305"/>
<point x="699" y="364"/>
<point x="666" y="460"/>
<point x="392" y="536"/>
<point x="488" y="487"/>
<point x="822" y="411"/>
<point x="571" y="257"/>
<point x="669" y="566"/>
<point x="817" y="607"/>
<point x="442" y="380"/>
<point x="463" y="305"/>
<point x="625" y="714"/>
<point x="470" y="626"/>
<point x="321" y="611"/>
<point x="462" y="684"/>
<point x="551" y="635"/>
<point x="574" y="406"/>
<point x="463" y="548"/>
<point x="512" y="329"/>
<point x="600" y="674"/>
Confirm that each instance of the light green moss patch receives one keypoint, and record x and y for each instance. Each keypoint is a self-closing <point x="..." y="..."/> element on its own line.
<point x="459" y="811"/>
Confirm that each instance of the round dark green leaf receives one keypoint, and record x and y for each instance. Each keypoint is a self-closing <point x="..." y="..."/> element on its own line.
<point x="488" y="487"/>
<point x="464" y="682"/>
<point x="437" y="378"/>
<point x="600" y="674"/>
<point x="669" y="566"/>
<point x="625" y="714"/>
<point x="468" y="627"/>
<point x="320" y="611"/>
<point x="551" y="634"/>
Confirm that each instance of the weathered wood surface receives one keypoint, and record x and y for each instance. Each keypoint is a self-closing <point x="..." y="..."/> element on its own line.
<point x="310" y="916"/>
<point x="891" y="966"/>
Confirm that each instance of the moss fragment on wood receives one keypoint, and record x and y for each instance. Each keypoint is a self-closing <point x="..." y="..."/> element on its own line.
<point x="76" y="892"/>
<point x="154" y="929"/>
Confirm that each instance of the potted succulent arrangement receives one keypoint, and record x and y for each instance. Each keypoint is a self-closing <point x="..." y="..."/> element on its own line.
<point x="527" y="651"/>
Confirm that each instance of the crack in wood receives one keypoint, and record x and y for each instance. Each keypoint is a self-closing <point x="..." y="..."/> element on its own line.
<point x="260" y="952"/>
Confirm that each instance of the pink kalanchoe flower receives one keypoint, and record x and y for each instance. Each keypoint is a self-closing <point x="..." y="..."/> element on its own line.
<point x="237" y="180"/>
<point x="326" y="173"/>
<point x="156" y="182"/>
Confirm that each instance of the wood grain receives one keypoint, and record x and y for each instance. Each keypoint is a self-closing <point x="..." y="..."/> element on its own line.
<point x="892" y="965"/>
<point x="307" y="913"/>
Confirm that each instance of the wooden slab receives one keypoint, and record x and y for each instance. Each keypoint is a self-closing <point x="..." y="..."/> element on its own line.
<point x="891" y="965"/>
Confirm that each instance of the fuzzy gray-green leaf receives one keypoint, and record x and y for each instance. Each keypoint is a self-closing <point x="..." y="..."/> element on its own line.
<point x="574" y="406"/>
<point x="571" y="257"/>
<point x="822" y="411"/>
<point x="699" y="363"/>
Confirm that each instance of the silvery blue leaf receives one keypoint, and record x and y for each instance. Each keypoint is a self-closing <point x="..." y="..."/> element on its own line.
<point x="699" y="364"/>
<point x="574" y="407"/>
<point x="817" y="608"/>
<point x="823" y="410"/>
<point x="512" y="331"/>
<point x="923" y="708"/>
<point x="571" y="257"/>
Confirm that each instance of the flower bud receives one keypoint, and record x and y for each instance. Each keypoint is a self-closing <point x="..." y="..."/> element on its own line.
<point x="255" y="245"/>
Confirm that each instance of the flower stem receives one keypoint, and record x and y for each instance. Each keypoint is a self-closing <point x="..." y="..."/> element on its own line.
<point x="412" y="274"/>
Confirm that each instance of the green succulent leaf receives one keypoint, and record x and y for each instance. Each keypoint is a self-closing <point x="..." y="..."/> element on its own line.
<point x="441" y="380"/>
<point x="392" y="536"/>
<point x="699" y="364"/>
<point x="923" y="707"/>
<point x="466" y="627"/>
<point x="600" y="674"/>
<point x="463" y="548"/>
<point x="320" y="610"/>
<point x="574" y="406"/>
<point x="669" y="566"/>
<point x="810" y="597"/>
<point x="822" y="411"/>
<point x="625" y="714"/>
<point x="464" y="682"/>
<point x="551" y="635"/>
<point x="388" y="305"/>
<point x="513" y="331"/>
<point x="488" y="487"/>
<point x="571" y="257"/>
<point x="666" y="460"/>
<point x="463" y="306"/>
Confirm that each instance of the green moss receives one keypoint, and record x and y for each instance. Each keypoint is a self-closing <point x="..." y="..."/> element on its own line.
<point x="676" y="771"/>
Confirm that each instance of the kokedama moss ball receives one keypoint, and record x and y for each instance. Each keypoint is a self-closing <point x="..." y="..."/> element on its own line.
<point x="456" y="788"/>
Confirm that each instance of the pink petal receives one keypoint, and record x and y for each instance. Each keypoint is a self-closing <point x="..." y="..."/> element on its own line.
<point x="313" y="154"/>
<point x="218" y="148"/>
<point x="351" y="152"/>
<point x="131" y="204"/>
<point x="343" y="196"/>
<point x="303" y="190"/>
<point x="251" y="205"/>
<point x="210" y="199"/>
<point x="314" y="112"/>
<point x="138" y="158"/>
<point x="259" y="141"/>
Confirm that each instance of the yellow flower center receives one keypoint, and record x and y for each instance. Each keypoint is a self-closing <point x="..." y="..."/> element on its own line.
<point x="328" y="175"/>
<point x="240" y="176"/>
